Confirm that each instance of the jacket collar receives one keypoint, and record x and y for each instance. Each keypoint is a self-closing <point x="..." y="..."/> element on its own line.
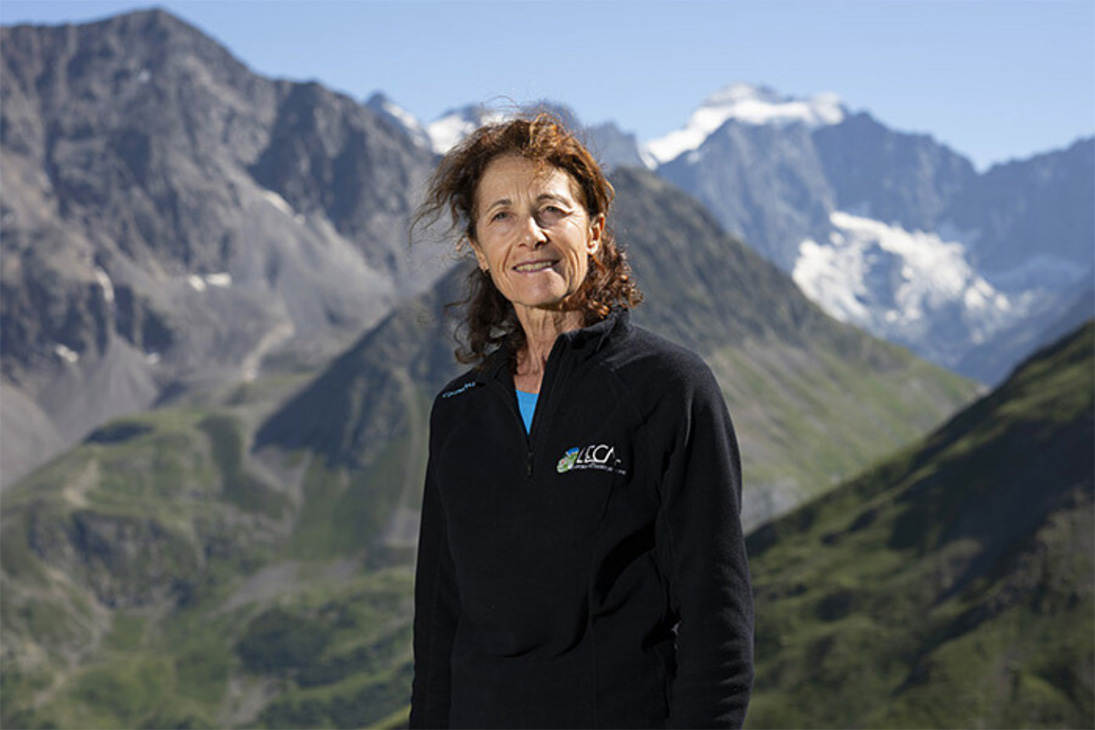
<point x="583" y="342"/>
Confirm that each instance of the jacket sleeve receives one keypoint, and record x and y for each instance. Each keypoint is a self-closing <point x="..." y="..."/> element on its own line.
<point x="700" y="542"/>
<point x="436" y="610"/>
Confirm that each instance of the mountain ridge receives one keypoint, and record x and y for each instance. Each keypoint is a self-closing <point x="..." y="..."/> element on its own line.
<point x="157" y="223"/>
<point x="952" y="584"/>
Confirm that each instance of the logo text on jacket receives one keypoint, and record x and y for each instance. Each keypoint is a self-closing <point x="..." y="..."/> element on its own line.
<point x="593" y="456"/>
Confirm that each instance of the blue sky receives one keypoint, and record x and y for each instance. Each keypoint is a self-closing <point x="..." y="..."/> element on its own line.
<point x="994" y="79"/>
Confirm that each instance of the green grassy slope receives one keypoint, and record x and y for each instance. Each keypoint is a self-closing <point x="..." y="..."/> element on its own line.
<point x="159" y="576"/>
<point x="951" y="586"/>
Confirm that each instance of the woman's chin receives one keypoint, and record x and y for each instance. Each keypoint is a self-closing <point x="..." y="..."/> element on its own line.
<point x="551" y="297"/>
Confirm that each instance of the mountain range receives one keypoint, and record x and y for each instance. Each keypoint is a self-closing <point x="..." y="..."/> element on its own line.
<point x="173" y="223"/>
<point x="890" y="231"/>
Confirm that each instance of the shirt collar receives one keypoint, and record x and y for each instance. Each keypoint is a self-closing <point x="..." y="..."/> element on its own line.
<point x="585" y="342"/>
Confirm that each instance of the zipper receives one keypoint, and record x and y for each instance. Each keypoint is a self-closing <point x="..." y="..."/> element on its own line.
<point x="510" y="397"/>
<point x="547" y="388"/>
<point x="547" y="385"/>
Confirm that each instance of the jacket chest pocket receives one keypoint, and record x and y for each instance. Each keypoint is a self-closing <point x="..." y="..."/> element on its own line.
<point x="573" y="487"/>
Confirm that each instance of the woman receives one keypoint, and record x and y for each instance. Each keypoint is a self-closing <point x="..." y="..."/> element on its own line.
<point x="581" y="560"/>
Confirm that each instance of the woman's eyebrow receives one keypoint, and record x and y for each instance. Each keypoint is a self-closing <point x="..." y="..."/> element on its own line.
<point x="500" y="201"/>
<point x="552" y="196"/>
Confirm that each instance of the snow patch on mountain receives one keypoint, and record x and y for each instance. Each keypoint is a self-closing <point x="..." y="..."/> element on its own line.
<point x="277" y="201"/>
<point x="905" y="286"/>
<point x="401" y="114"/>
<point x="105" y="284"/>
<point x="220" y="280"/>
<point x="747" y="104"/>
<point x="446" y="132"/>
<point x="70" y="356"/>
<point x="384" y="106"/>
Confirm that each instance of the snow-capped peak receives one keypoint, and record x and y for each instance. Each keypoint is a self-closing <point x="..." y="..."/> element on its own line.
<point x="747" y="104"/>
<point x="447" y="131"/>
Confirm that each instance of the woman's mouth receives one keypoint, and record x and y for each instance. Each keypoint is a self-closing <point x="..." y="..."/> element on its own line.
<point x="530" y="267"/>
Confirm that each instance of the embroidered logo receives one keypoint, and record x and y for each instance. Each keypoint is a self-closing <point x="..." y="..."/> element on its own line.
<point x="593" y="456"/>
<point x="457" y="391"/>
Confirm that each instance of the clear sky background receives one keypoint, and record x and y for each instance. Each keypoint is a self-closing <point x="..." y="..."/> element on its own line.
<point x="993" y="79"/>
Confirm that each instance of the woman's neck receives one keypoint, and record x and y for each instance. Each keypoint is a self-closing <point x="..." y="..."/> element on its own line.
<point x="542" y="327"/>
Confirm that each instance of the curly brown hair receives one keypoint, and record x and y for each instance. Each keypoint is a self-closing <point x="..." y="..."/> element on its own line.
<point x="489" y="320"/>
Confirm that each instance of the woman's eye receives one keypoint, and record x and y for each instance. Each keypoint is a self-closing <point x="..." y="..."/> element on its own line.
<point x="500" y="216"/>
<point x="552" y="213"/>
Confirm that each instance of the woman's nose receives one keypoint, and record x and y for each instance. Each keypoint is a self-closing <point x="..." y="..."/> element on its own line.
<point x="533" y="234"/>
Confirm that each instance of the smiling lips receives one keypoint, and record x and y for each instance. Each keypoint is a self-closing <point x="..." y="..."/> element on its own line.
<point x="530" y="267"/>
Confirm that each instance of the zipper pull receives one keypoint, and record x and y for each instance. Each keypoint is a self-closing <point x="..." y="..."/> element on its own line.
<point x="528" y="462"/>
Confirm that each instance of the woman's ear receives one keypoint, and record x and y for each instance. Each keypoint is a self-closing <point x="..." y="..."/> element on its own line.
<point x="479" y="256"/>
<point x="596" y="231"/>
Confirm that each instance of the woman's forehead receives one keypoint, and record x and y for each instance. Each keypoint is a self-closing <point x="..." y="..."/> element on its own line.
<point x="509" y="177"/>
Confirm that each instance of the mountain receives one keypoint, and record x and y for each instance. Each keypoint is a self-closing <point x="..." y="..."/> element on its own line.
<point x="395" y="114"/>
<point x="887" y="230"/>
<point x="905" y="180"/>
<point x="952" y="585"/>
<point x="912" y="288"/>
<point x="1030" y="223"/>
<point x="614" y="147"/>
<point x="745" y="104"/>
<point x="763" y="182"/>
<point x="1057" y="317"/>
<point x="171" y="221"/>
<point x="452" y="126"/>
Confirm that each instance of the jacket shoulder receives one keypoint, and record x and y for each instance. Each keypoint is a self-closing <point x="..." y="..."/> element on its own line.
<point x="457" y="385"/>
<point x="455" y="391"/>
<point x="647" y="361"/>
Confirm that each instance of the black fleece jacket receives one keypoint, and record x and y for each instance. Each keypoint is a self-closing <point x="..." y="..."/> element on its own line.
<point x="592" y="572"/>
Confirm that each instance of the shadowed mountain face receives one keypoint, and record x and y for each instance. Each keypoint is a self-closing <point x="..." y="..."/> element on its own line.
<point x="906" y="179"/>
<point x="951" y="586"/>
<point x="171" y="219"/>
<point x="1032" y="211"/>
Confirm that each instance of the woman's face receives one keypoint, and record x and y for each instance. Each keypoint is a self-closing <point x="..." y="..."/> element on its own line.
<point x="532" y="234"/>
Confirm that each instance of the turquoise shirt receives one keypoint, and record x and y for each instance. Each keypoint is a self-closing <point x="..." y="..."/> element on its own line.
<point x="527" y="403"/>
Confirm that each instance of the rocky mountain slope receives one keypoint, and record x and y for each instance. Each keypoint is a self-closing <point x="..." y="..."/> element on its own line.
<point x="171" y="220"/>
<point x="951" y="586"/>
